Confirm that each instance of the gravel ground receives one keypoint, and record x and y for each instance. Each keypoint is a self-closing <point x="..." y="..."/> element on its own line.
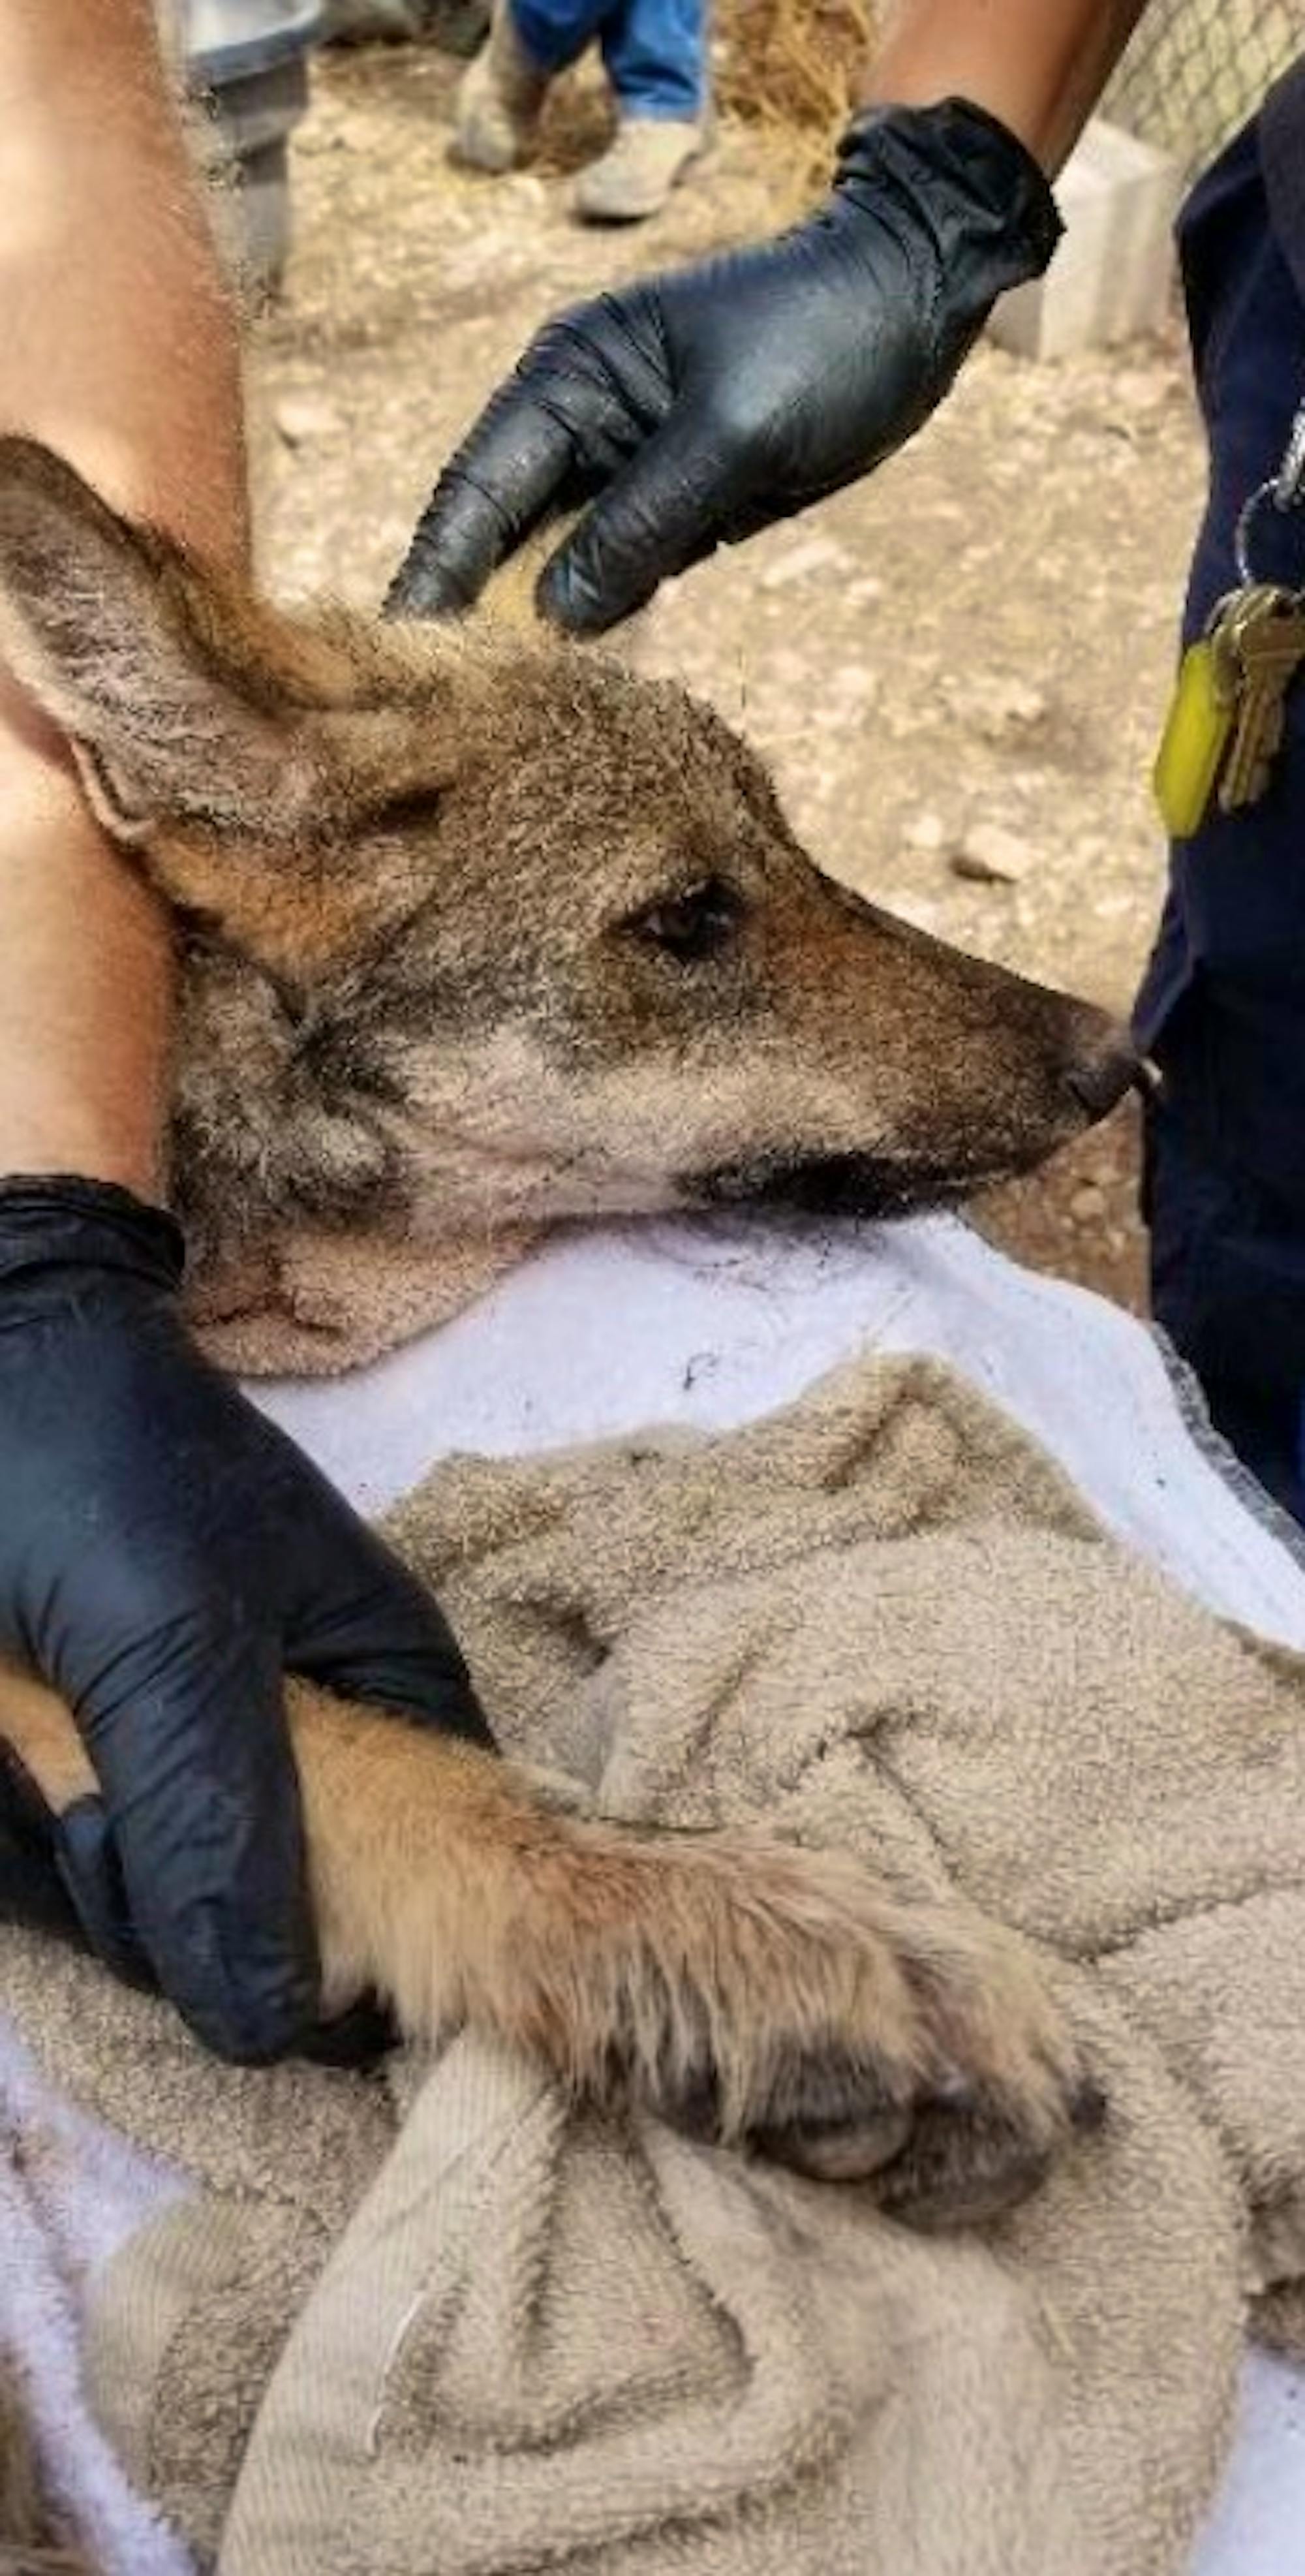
<point x="957" y="670"/>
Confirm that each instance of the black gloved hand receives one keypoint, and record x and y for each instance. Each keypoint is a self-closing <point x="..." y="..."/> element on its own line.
<point x="701" y="406"/>
<point x="166" y="1555"/>
<point x="32" y="1886"/>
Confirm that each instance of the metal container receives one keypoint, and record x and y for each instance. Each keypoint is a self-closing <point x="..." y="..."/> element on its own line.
<point x="250" y="58"/>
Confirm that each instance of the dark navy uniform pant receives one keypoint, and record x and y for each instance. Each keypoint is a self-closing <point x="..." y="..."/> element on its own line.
<point x="1222" y="1010"/>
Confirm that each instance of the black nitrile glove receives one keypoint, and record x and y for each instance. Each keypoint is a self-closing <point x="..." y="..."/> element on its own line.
<point x="700" y="406"/>
<point x="166" y="1555"/>
<point x="32" y="1886"/>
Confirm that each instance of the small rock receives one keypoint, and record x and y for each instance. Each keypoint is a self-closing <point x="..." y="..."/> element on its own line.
<point x="815" y="554"/>
<point x="864" y="592"/>
<point x="1088" y="1204"/>
<point x="991" y="855"/>
<point x="996" y="709"/>
<point x="925" y="832"/>
<point x="302" y="416"/>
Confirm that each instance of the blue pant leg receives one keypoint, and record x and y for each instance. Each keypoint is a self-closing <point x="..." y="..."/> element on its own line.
<point x="656" y="57"/>
<point x="556" y="32"/>
<point x="1222" y="1009"/>
<point x="655" y="51"/>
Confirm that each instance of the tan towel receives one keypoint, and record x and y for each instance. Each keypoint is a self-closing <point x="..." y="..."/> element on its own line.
<point x="510" y="2339"/>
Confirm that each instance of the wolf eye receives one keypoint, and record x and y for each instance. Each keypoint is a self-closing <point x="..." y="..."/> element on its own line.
<point x="693" y="925"/>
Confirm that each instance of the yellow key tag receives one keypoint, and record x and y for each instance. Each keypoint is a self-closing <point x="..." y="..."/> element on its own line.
<point x="1195" y="738"/>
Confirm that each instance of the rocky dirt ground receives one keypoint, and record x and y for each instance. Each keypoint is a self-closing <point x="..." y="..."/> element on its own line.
<point x="957" y="670"/>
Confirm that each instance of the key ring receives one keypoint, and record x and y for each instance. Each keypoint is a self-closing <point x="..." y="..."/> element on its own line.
<point x="1289" y="482"/>
<point x="1285" y="490"/>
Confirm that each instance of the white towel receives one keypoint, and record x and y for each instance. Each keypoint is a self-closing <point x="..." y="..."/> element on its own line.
<point x="712" y="1324"/>
<point x="64" y="2211"/>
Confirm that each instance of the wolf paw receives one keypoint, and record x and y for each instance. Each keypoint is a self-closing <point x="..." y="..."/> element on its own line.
<point x="855" y="2037"/>
<point x="965" y="2164"/>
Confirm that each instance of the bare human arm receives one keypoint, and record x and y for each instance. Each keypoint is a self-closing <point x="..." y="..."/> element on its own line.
<point x="165" y="1555"/>
<point x="690" y="409"/>
<point x="118" y="346"/>
<point x="1038" y="65"/>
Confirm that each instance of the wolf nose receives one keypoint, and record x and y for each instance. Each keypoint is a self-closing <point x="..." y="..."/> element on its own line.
<point x="1099" y="1081"/>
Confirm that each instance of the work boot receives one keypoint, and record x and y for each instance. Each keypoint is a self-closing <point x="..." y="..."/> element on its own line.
<point x="636" y="174"/>
<point x="499" y="100"/>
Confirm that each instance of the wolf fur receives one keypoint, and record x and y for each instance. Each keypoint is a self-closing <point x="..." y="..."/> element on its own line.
<point x="480" y="932"/>
<point x="476" y="933"/>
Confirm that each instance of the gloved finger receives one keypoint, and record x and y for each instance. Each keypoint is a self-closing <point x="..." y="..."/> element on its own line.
<point x="375" y="1633"/>
<point x="91" y="1871"/>
<point x="356" y="2038"/>
<point x="190" y="1745"/>
<point x="92" y="1905"/>
<point x="667" y="509"/>
<point x="89" y="1902"/>
<point x="591" y="385"/>
<point x="32" y="1888"/>
<point x="508" y="476"/>
<point x="419" y="1681"/>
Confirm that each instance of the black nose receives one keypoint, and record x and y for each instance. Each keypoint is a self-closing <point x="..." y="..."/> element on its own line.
<point x="1099" y="1081"/>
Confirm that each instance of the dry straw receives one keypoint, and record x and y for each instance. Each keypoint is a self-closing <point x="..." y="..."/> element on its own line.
<point x="792" y="67"/>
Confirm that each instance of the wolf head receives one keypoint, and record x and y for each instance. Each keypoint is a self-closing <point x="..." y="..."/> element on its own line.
<point x="487" y="930"/>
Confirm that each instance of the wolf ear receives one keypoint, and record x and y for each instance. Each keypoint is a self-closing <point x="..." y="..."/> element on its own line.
<point x="140" y="659"/>
<point x="238" y="752"/>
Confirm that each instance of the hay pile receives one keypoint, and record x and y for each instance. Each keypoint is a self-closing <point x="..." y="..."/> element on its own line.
<point x="793" y="67"/>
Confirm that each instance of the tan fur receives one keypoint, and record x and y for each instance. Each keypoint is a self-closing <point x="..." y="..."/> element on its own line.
<point x="731" y="1982"/>
<point x="480" y="932"/>
<point x="450" y="974"/>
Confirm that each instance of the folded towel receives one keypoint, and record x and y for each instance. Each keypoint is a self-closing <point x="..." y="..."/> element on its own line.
<point x="462" y="2328"/>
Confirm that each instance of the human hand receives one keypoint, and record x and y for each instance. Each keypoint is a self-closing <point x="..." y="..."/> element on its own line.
<point x="693" y="408"/>
<point x="166" y="1555"/>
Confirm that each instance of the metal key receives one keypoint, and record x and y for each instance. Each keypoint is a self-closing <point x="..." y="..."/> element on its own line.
<point x="1262" y="634"/>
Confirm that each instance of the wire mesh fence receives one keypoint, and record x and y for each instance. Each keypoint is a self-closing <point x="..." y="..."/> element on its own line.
<point x="1196" y="69"/>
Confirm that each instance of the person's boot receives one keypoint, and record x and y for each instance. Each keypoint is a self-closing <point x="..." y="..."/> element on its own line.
<point x="636" y="174"/>
<point x="499" y="100"/>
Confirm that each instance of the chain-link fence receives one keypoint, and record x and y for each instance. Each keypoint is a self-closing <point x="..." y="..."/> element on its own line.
<point x="1196" y="69"/>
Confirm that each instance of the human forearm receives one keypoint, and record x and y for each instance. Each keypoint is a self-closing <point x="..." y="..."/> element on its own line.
<point x="117" y="345"/>
<point x="687" y="410"/>
<point x="164" y="1554"/>
<point x="1039" y="65"/>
